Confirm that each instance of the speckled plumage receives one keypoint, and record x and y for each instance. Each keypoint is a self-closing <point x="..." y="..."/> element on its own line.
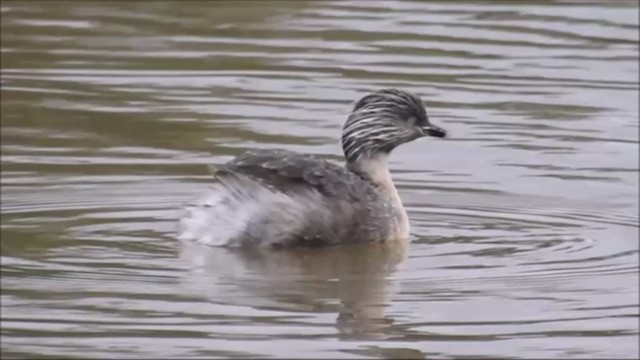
<point x="283" y="198"/>
<point x="291" y="172"/>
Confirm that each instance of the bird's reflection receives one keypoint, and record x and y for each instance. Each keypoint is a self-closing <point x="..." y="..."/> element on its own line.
<point x="354" y="282"/>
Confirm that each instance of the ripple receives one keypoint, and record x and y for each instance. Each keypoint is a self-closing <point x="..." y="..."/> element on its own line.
<point x="524" y="222"/>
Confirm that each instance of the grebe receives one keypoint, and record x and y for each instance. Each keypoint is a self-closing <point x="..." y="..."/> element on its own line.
<point x="280" y="198"/>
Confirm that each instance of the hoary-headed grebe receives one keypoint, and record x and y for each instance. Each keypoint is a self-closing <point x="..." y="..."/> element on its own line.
<point x="282" y="198"/>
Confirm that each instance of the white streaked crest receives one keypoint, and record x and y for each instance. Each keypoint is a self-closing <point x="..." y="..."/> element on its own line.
<point x="380" y="122"/>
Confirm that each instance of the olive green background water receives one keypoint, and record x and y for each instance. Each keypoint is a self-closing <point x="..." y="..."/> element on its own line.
<point x="524" y="240"/>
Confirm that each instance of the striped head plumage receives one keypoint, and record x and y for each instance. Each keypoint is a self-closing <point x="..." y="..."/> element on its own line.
<point x="382" y="120"/>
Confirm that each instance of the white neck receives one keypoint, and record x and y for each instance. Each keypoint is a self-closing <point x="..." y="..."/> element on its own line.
<point x="376" y="169"/>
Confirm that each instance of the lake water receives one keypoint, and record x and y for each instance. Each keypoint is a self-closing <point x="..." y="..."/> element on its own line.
<point x="524" y="239"/>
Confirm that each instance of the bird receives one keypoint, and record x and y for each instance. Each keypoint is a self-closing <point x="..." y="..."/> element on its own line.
<point x="279" y="198"/>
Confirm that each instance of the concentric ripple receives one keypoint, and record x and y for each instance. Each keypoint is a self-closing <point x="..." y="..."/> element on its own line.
<point x="524" y="240"/>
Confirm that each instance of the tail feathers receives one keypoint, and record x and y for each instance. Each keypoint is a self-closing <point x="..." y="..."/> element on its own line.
<point x="238" y="209"/>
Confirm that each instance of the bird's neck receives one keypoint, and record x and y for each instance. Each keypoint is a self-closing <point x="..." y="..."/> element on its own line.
<point x="375" y="169"/>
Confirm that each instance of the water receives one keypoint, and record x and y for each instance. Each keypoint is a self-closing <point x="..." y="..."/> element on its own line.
<point x="524" y="240"/>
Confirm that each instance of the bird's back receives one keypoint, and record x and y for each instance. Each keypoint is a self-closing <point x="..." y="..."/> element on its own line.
<point x="281" y="198"/>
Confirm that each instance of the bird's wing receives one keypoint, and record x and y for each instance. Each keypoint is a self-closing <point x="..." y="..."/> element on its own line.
<point x="287" y="171"/>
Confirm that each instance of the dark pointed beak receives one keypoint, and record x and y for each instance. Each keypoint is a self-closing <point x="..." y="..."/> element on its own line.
<point x="434" y="131"/>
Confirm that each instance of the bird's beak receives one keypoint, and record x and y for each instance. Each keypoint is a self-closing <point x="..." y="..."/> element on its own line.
<point x="434" y="131"/>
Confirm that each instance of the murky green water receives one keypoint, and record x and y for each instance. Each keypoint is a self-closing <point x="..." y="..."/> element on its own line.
<point x="524" y="222"/>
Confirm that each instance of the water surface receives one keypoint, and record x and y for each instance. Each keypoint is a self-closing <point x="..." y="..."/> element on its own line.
<point x="524" y="240"/>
